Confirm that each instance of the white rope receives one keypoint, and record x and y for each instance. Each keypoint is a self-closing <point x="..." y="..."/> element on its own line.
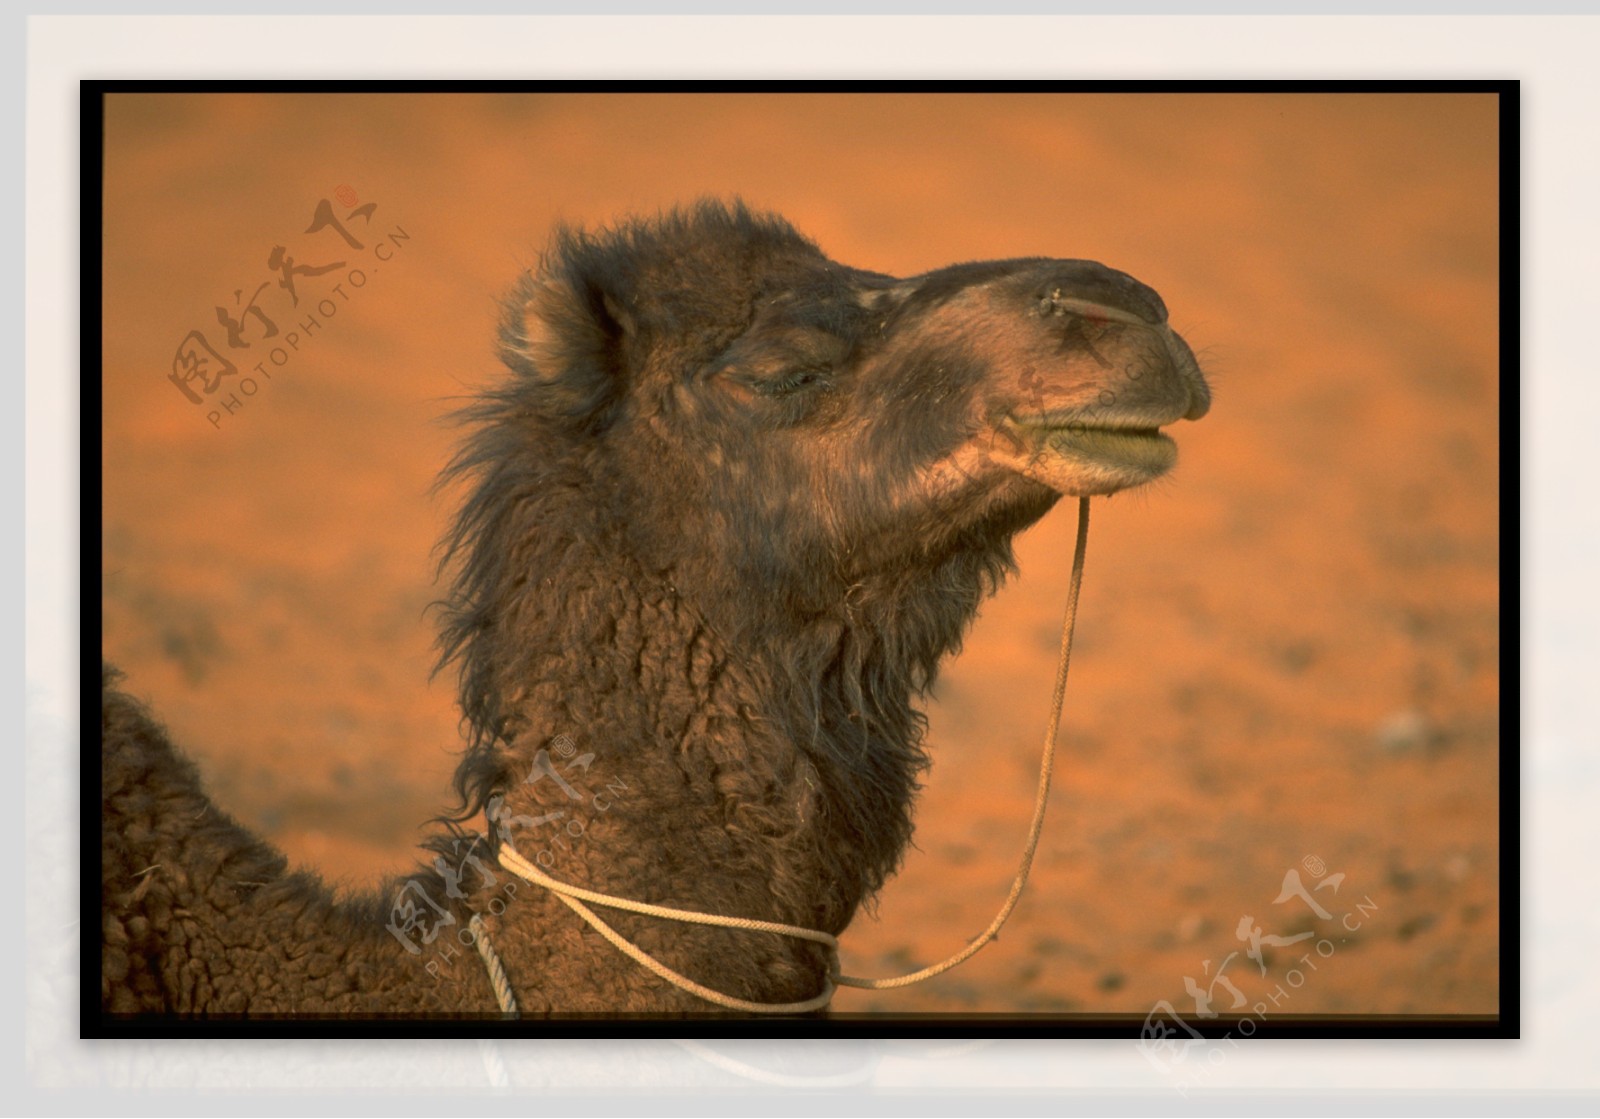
<point x="513" y="861"/>
<point x="491" y="961"/>
<point x="1041" y="798"/>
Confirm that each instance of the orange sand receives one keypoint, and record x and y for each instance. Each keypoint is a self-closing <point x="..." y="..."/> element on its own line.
<point x="1287" y="649"/>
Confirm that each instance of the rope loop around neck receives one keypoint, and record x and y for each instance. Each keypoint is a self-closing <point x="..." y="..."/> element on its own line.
<point x="575" y="896"/>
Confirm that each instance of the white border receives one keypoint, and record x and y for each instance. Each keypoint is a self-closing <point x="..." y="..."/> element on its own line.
<point x="1555" y="58"/>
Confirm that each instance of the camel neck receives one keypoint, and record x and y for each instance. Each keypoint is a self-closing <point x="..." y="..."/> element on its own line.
<point x="629" y="741"/>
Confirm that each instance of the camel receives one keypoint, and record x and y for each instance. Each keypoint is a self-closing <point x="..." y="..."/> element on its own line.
<point x="728" y="509"/>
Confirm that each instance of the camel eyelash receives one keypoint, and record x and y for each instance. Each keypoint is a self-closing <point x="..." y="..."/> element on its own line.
<point x="793" y="381"/>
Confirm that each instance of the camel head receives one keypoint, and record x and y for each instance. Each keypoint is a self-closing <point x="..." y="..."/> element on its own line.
<point x="764" y="421"/>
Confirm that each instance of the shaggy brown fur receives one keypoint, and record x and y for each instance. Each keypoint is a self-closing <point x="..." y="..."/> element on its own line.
<point x="733" y="504"/>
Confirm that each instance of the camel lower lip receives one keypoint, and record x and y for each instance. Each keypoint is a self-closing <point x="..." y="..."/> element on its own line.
<point x="1073" y="457"/>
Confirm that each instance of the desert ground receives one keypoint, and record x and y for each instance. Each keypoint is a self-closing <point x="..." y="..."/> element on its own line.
<point x="1287" y="655"/>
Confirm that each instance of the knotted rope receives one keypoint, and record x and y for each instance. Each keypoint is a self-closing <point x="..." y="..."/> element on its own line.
<point x="575" y="896"/>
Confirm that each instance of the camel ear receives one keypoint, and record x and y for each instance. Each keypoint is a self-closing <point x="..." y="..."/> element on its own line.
<point x="620" y="317"/>
<point x="541" y="326"/>
<point x="566" y="339"/>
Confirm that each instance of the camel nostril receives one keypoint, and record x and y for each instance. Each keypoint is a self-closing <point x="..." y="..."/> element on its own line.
<point x="1089" y="282"/>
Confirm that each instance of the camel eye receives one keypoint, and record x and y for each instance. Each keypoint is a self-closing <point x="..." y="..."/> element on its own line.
<point x="793" y="381"/>
<point x="779" y="382"/>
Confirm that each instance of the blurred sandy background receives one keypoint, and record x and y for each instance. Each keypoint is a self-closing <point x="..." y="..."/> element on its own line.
<point x="1287" y="649"/>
